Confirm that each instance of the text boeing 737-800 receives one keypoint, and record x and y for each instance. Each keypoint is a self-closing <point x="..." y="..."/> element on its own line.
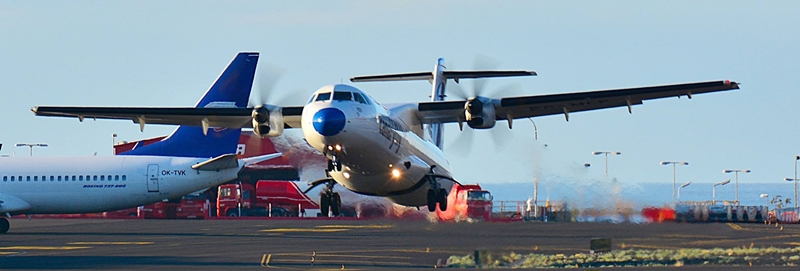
<point x="187" y="161"/>
<point x="394" y="151"/>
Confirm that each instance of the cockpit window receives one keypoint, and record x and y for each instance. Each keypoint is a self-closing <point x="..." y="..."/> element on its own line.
<point x="359" y="98"/>
<point x="342" y="96"/>
<point x="312" y="98"/>
<point x="323" y="97"/>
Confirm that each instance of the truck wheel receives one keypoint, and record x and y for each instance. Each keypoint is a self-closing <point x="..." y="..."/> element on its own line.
<point x="442" y="199"/>
<point x="336" y="204"/>
<point x="279" y="212"/>
<point x="232" y="213"/>
<point x="431" y="200"/>
<point x="4" y="226"/>
<point x="324" y="204"/>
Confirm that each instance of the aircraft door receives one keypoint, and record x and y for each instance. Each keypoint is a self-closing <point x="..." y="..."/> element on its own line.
<point x="152" y="178"/>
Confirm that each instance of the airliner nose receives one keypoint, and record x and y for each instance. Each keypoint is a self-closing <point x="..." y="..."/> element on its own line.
<point x="329" y="121"/>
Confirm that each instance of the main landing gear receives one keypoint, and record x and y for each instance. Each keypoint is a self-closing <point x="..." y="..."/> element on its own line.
<point x="436" y="194"/>
<point x="4" y="226"/>
<point x="330" y="201"/>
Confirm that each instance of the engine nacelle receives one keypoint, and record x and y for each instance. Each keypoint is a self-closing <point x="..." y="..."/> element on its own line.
<point x="479" y="113"/>
<point x="267" y="121"/>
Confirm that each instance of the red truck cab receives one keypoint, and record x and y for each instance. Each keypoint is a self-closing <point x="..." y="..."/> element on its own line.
<point x="467" y="202"/>
<point x="268" y="198"/>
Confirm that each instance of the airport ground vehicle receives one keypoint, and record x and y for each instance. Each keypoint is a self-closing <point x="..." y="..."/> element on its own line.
<point x="467" y="202"/>
<point x="268" y="198"/>
<point x="188" y="207"/>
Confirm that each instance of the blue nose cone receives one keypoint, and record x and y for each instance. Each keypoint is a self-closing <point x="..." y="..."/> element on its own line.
<point x="329" y="121"/>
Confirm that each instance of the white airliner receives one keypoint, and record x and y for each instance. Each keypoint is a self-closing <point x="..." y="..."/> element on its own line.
<point x="393" y="151"/>
<point x="187" y="161"/>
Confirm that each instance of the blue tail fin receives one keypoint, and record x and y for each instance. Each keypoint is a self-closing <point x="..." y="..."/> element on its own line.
<point x="232" y="89"/>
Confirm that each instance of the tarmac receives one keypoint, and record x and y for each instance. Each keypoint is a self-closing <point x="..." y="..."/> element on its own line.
<point x="314" y="244"/>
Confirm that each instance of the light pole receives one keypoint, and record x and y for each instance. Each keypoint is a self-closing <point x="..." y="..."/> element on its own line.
<point x="795" y="189"/>
<point x="737" y="179"/>
<point x="673" y="163"/>
<point x="766" y="196"/>
<point x="682" y="186"/>
<point x="113" y="143"/>
<point x="795" y="180"/>
<point x="606" y="154"/>
<point x="714" y="190"/>
<point x="31" y="145"/>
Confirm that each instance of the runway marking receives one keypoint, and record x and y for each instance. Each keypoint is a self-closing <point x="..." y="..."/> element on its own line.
<point x="42" y="248"/>
<point x="735" y="227"/>
<point x="110" y="243"/>
<point x="386" y="226"/>
<point x="8" y="253"/>
<point x="303" y="230"/>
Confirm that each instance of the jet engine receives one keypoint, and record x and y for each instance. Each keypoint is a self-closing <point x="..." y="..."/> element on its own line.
<point x="267" y="121"/>
<point x="479" y="113"/>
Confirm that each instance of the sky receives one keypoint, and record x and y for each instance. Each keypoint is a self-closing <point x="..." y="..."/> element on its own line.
<point x="155" y="53"/>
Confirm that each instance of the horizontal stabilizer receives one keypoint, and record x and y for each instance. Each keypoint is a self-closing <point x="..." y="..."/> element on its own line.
<point x="447" y="74"/>
<point x="12" y="204"/>
<point x="224" y="161"/>
<point x="261" y="158"/>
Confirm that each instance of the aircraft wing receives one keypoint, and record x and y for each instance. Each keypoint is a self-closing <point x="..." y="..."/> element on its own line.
<point x="216" y="117"/>
<point x="551" y="104"/>
<point x="455" y="75"/>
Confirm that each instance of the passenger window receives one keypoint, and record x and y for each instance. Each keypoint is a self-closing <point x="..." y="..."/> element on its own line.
<point x="35" y="178"/>
<point x="12" y="178"/>
<point x="74" y="178"/>
<point x="5" y="178"/>
<point x="116" y="177"/>
<point x="108" y="178"/>
<point x="342" y="96"/>
<point x="59" y="178"/>
<point x="28" y="178"/>
<point x="102" y="178"/>
<point x="52" y="178"/>
<point x="323" y="97"/>
<point x="359" y="98"/>
<point x="124" y="177"/>
<point x="94" y="178"/>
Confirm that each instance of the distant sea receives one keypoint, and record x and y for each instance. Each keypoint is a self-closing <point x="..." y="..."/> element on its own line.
<point x="604" y="194"/>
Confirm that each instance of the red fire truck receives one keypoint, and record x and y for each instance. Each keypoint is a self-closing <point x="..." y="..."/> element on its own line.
<point x="269" y="198"/>
<point x="467" y="202"/>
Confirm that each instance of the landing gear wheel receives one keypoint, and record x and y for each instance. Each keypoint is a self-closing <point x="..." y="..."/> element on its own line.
<point x="338" y="166"/>
<point x="431" y="200"/>
<point x="330" y="165"/>
<point x="441" y="198"/>
<point x="324" y="205"/>
<point x="336" y="204"/>
<point x="4" y="226"/>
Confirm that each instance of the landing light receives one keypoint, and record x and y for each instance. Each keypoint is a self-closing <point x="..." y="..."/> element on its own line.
<point x="338" y="147"/>
<point x="395" y="173"/>
<point x="346" y="175"/>
<point x="330" y="148"/>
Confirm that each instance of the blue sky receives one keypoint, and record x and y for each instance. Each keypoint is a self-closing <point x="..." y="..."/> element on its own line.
<point x="155" y="53"/>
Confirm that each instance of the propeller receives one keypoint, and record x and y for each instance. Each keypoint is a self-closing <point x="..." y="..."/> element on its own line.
<point x="500" y="136"/>
<point x="268" y="75"/>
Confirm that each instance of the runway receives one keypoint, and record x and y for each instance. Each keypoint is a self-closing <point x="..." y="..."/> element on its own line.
<point x="336" y="244"/>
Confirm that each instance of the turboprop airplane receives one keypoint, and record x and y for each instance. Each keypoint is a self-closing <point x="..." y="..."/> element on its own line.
<point x="393" y="151"/>
<point x="188" y="160"/>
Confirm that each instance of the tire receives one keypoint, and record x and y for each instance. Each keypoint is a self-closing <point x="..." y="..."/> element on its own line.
<point x="431" y="200"/>
<point x="441" y="198"/>
<point x="324" y="205"/>
<point x="336" y="204"/>
<point x="279" y="212"/>
<point x="232" y="213"/>
<point x="4" y="225"/>
<point x="330" y="165"/>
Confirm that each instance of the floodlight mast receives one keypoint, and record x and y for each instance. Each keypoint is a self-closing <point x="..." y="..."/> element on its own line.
<point x="736" y="171"/>
<point x="674" y="163"/>
<point x="606" y="154"/>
